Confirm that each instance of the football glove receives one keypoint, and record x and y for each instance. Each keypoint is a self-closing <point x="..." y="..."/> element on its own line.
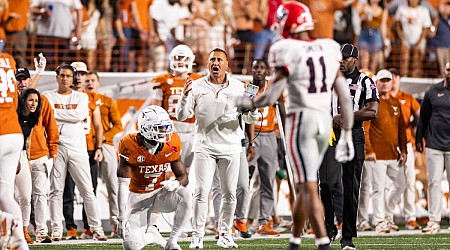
<point x="344" y="149"/>
<point x="170" y="185"/>
<point x="40" y="66"/>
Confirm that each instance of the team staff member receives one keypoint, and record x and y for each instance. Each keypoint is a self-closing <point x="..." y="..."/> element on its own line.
<point x="10" y="131"/>
<point x="410" y="108"/>
<point x="71" y="108"/>
<point x="217" y="142"/>
<point x="111" y="123"/>
<point x="365" y="107"/>
<point x="385" y="135"/>
<point x="434" y="122"/>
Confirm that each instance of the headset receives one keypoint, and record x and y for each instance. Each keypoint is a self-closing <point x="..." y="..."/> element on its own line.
<point x="70" y="67"/>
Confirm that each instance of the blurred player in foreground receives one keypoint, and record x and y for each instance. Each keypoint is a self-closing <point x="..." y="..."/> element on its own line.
<point x="308" y="69"/>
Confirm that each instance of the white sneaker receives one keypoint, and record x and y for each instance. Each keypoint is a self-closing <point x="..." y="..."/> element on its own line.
<point x="42" y="237"/>
<point x="196" y="242"/>
<point x="7" y="226"/>
<point x="99" y="235"/>
<point x="432" y="228"/>
<point x="364" y="226"/>
<point x="172" y="245"/>
<point x="226" y="241"/>
<point x="382" y="228"/>
<point x="57" y="234"/>
<point x="392" y="226"/>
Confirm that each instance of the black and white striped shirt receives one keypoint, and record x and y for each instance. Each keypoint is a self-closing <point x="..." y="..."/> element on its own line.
<point x="362" y="90"/>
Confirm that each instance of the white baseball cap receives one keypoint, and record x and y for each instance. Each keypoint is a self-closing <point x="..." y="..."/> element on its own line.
<point x="384" y="73"/>
<point x="79" y="66"/>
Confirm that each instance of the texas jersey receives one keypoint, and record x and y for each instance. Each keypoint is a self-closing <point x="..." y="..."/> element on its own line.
<point x="168" y="89"/>
<point x="8" y="96"/>
<point x="312" y="67"/>
<point x="266" y="116"/>
<point x="148" y="170"/>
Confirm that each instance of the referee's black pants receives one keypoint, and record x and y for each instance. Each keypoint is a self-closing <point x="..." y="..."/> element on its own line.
<point x="351" y="180"/>
<point x="331" y="193"/>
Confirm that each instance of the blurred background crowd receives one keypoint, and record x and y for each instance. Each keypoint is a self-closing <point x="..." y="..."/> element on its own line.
<point x="137" y="35"/>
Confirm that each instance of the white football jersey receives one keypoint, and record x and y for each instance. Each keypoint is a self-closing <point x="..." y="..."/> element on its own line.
<point x="312" y="67"/>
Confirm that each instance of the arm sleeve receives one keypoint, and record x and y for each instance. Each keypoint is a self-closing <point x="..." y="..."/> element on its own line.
<point x="115" y="119"/>
<point x="184" y="107"/>
<point x="369" y="148"/>
<point x="424" y="120"/>
<point x="401" y="132"/>
<point x="51" y="129"/>
<point x="74" y="115"/>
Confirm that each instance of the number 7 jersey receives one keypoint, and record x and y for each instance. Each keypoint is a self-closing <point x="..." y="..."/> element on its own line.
<point x="312" y="67"/>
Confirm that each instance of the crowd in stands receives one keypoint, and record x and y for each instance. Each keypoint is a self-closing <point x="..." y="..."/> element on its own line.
<point x="137" y="35"/>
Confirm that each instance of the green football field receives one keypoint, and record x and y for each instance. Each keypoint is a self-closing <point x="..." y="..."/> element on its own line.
<point x="409" y="242"/>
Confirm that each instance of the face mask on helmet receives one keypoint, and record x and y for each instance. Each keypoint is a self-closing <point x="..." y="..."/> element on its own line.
<point x="291" y="18"/>
<point x="181" y="59"/>
<point x="155" y="125"/>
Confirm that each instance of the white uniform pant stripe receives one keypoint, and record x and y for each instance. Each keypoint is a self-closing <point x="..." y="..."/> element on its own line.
<point x="292" y="138"/>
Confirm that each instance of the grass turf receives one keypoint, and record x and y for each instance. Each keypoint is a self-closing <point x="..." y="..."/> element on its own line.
<point x="409" y="242"/>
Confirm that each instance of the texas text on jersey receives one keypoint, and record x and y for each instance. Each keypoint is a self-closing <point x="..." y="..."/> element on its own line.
<point x="147" y="170"/>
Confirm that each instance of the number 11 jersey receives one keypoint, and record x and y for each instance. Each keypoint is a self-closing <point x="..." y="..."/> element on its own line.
<point x="312" y="66"/>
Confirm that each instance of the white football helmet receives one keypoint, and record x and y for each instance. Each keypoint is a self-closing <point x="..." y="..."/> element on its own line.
<point x="181" y="59"/>
<point x="154" y="124"/>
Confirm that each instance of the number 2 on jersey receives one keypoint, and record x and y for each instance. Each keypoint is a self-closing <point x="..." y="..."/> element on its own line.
<point x="312" y="76"/>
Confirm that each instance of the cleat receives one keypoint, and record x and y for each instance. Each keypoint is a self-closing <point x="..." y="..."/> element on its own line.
<point x="87" y="234"/>
<point x="72" y="234"/>
<point x="241" y="226"/>
<point x="266" y="229"/>
<point x="196" y="243"/>
<point x="226" y="241"/>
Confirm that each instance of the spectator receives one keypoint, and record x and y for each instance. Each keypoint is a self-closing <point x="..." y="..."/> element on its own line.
<point x="56" y="26"/>
<point x="10" y="131"/>
<point x="146" y="34"/>
<point x="217" y="142"/>
<point x="92" y="10"/>
<point x="70" y="109"/>
<point x="373" y="37"/>
<point x="365" y="107"/>
<point x="323" y="14"/>
<point x="433" y="127"/>
<point x="16" y="30"/>
<point x="29" y="111"/>
<point x="440" y="41"/>
<point x="4" y="16"/>
<point x="106" y="33"/>
<point x="411" y="113"/>
<point x="110" y="119"/>
<point x="413" y="22"/>
<point x="385" y="135"/>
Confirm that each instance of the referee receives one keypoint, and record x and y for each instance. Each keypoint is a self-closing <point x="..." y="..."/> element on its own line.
<point x="365" y="107"/>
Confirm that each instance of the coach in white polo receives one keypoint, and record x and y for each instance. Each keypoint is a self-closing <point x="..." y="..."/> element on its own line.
<point x="70" y="109"/>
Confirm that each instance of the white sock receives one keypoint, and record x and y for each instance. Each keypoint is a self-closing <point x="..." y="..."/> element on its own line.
<point x="295" y="240"/>
<point x="322" y="241"/>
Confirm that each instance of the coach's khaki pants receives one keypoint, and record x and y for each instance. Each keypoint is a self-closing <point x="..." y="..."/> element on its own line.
<point x="77" y="164"/>
<point x="437" y="162"/>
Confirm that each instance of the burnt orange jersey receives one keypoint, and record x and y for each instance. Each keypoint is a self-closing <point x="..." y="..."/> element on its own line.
<point x="148" y="170"/>
<point x="9" y="121"/>
<point x="266" y="117"/>
<point x="94" y="101"/>
<point x="126" y="16"/>
<point x="172" y="88"/>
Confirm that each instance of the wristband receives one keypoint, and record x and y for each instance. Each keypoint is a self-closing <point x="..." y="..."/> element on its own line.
<point x="99" y="148"/>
